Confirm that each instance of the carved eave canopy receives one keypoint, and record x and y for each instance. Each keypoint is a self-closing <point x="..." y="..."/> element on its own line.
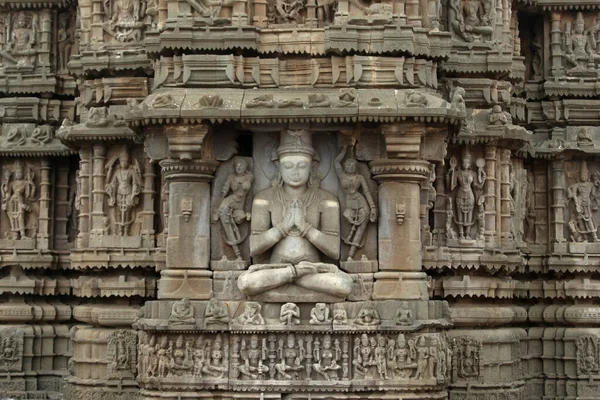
<point x="54" y="148"/>
<point x="480" y="130"/>
<point x="36" y="4"/>
<point x="564" y="5"/>
<point x="570" y="141"/>
<point x="100" y="124"/>
<point x="283" y="106"/>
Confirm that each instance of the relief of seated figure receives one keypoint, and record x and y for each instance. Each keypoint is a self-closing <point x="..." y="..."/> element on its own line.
<point x="296" y="222"/>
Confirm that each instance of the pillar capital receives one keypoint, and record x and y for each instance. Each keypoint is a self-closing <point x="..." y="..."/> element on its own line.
<point x="188" y="170"/>
<point x="186" y="142"/>
<point x="410" y="170"/>
<point x="403" y="140"/>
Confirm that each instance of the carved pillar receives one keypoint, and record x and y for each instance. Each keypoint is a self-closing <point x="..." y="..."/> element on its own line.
<point x="260" y="13"/>
<point x="43" y="233"/>
<point x="188" y="242"/>
<point x="505" y="234"/>
<point x="162" y="13"/>
<point x="98" y="16"/>
<point x="399" y="235"/>
<point x="83" y="237"/>
<point x="558" y="203"/>
<point x="148" y="193"/>
<point x="239" y="13"/>
<point x="98" y="190"/>
<point x="439" y="207"/>
<point x="61" y="196"/>
<point x="433" y="14"/>
<point x="412" y="13"/>
<point x="555" y="45"/>
<point x="490" y="196"/>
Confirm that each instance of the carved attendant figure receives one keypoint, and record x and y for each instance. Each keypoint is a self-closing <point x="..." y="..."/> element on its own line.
<point x="582" y="193"/>
<point x="466" y="179"/>
<point x="123" y="190"/>
<point x="360" y="209"/>
<point x="17" y="196"/>
<point x="231" y="211"/>
<point x="65" y="41"/>
<point x="296" y="222"/>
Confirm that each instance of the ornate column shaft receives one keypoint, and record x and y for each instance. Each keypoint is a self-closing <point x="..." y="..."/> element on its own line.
<point x="61" y="198"/>
<point x="505" y="165"/>
<point x="412" y="13"/>
<point x="188" y="241"/>
<point x="399" y="234"/>
<point x="557" y="208"/>
<point x="556" y="44"/>
<point x="43" y="234"/>
<point x="98" y="190"/>
<point x="83" y="237"/>
<point x="490" y="196"/>
<point x="148" y="195"/>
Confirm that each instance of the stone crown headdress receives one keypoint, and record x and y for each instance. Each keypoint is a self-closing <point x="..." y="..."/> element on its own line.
<point x="296" y="141"/>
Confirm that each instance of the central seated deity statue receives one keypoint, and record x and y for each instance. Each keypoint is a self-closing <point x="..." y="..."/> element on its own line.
<point x="297" y="222"/>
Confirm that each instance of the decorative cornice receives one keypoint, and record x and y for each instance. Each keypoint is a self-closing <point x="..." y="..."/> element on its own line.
<point x="400" y="170"/>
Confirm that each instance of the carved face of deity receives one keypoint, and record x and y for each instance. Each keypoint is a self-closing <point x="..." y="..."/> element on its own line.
<point x="584" y="176"/>
<point x="578" y="27"/>
<point x="350" y="166"/>
<point x="295" y="169"/>
<point x="373" y="342"/>
<point x="254" y="342"/>
<point x="290" y="342"/>
<point x="466" y="163"/>
<point x="124" y="160"/>
<point x="19" y="172"/>
<point x="241" y="167"/>
<point x="401" y="340"/>
<point x="364" y="340"/>
<point x="327" y="342"/>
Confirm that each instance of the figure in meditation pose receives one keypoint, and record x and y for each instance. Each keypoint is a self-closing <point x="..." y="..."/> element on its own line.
<point x="580" y="45"/>
<point x="295" y="221"/>
<point x="216" y="313"/>
<point x="251" y="315"/>
<point x="470" y="18"/>
<point x="367" y="316"/>
<point x="231" y="211"/>
<point x="182" y="313"/>
<point x="319" y="315"/>
<point x="289" y="314"/>
<point x="360" y="209"/>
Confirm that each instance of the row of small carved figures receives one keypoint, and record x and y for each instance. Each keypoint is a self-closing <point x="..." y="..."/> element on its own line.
<point x="296" y="357"/>
<point x="182" y="313"/>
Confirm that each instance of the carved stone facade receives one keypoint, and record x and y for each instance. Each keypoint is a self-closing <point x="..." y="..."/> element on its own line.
<point x="300" y="199"/>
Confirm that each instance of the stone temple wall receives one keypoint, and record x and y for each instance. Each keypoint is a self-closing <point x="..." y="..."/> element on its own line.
<point x="300" y="199"/>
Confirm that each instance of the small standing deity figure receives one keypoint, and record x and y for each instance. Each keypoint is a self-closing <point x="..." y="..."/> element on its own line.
<point x="467" y="180"/>
<point x="583" y="194"/>
<point x="319" y="315"/>
<point x="20" y="47"/>
<point x="253" y="358"/>
<point x="470" y="18"/>
<point x="123" y="190"/>
<point x="217" y="366"/>
<point x="182" y="313"/>
<point x="18" y="194"/>
<point x="381" y="358"/>
<point x="360" y="208"/>
<point x="580" y="45"/>
<point x="422" y="358"/>
<point x="327" y="360"/>
<point x="232" y="211"/>
<point x="120" y="356"/>
<point x="289" y="314"/>
<point x="65" y="41"/>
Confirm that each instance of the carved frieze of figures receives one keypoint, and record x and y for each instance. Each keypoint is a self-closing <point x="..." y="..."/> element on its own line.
<point x="583" y="194"/>
<point x="465" y="210"/>
<point x="471" y="20"/>
<point x="121" y="353"/>
<point x="123" y="188"/>
<point x="588" y="355"/>
<point x="181" y="356"/>
<point x="580" y="46"/>
<point x="19" y="191"/>
<point x="467" y="355"/>
<point x="11" y="349"/>
<point x="21" y="40"/>
<point x="387" y="357"/>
